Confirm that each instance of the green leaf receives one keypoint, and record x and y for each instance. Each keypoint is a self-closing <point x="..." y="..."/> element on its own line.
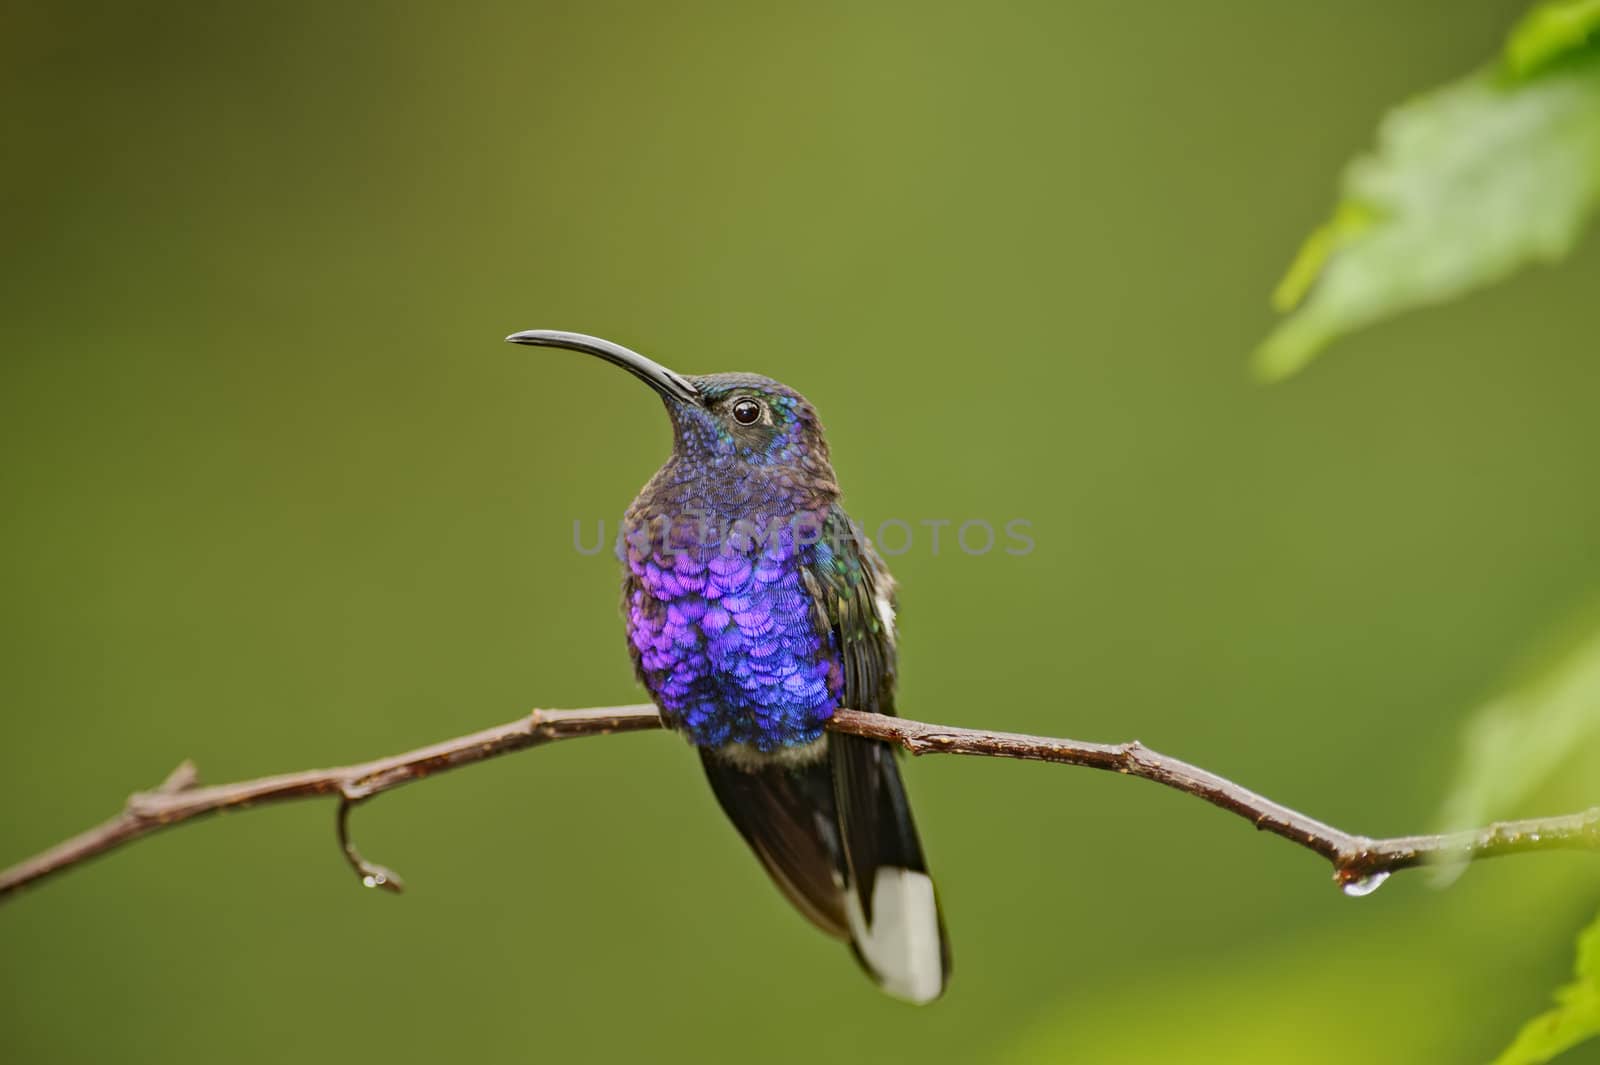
<point x="1576" y="1016"/>
<point x="1546" y="723"/>
<point x="1550" y="32"/>
<point x="1468" y="184"/>
<point x="1516" y="744"/>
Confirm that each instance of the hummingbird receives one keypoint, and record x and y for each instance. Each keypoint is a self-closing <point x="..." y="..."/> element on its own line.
<point x="754" y="610"/>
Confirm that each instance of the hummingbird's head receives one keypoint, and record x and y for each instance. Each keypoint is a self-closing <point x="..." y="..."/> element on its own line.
<point x="750" y="418"/>
<point x="716" y="418"/>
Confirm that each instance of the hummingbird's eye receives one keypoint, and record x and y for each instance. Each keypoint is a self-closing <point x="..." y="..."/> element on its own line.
<point x="746" y="411"/>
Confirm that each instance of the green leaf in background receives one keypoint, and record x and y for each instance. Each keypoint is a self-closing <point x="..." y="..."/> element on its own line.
<point x="1514" y="745"/>
<point x="1576" y="1016"/>
<point x="1468" y="183"/>
<point x="1550" y="32"/>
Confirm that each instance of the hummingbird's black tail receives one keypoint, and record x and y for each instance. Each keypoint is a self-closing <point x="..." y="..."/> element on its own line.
<point x="836" y="836"/>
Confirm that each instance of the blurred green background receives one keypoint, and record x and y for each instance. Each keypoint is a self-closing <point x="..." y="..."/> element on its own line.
<point x="276" y="495"/>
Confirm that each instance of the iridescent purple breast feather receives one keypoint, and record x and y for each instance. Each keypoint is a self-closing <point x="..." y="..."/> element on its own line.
<point x="725" y="635"/>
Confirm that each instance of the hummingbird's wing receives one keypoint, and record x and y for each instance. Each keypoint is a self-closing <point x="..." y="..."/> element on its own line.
<point x="893" y="913"/>
<point x="853" y="603"/>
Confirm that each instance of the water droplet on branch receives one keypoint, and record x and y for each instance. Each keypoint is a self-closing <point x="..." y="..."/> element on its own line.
<point x="1363" y="886"/>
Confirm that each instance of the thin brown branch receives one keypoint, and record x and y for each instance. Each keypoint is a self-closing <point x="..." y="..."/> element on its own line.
<point x="177" y="800"/>
<point x="1359" y="862"/>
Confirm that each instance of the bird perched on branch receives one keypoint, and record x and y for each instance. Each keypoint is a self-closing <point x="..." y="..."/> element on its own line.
<point x="754" y="610"/>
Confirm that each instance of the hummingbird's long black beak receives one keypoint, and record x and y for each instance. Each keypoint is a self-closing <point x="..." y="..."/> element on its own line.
<point x="670" y="385"/>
